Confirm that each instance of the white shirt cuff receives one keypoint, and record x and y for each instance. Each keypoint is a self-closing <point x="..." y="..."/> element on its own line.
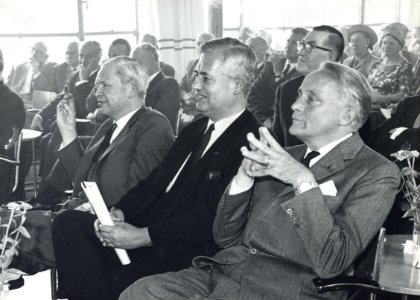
<point x="236" y="189"/>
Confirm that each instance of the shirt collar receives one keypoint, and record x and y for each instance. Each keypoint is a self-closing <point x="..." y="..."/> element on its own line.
<point x="151" y="77"/>
<point x="222" y="124"/>
<point x="325" y="149"/>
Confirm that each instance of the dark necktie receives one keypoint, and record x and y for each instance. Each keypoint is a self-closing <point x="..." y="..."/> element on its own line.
<point x="309" y="157"/>
<point x="286" y="70"/>
<point x="105" y="142"/>
<point x="198" y="152"/>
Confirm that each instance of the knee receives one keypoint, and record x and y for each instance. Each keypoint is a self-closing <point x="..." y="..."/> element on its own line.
<point x="67" y="221"/>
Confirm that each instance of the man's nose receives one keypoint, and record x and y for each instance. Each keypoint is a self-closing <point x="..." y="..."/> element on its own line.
<point x="297" y="105"/>
<point x="197" y="84"/>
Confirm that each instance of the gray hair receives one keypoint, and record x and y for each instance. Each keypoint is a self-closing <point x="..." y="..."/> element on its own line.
<point x="151" y="59"/>
<point x="240" y="56"/>
<point x="129" y="70"/>
<point x="355" y="89"/>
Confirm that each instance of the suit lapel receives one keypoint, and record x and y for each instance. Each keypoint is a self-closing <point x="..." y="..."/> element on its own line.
<point x="123" y="133"/>
<point x="332" y="162"/>
<point x="155" y="81"/>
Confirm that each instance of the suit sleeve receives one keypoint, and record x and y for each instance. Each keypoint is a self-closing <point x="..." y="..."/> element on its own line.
<point x="70" y="156"/>
<point x="332" y="242"/>
<point x="231" y="218"/>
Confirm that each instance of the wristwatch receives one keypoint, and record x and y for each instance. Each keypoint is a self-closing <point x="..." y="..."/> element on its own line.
<point x="305" y="186"/>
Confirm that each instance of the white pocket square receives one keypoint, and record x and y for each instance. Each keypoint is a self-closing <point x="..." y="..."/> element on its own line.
<point x="328" y="188"/>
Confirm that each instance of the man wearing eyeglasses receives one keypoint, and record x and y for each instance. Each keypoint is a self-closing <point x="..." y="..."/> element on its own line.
<point x="324" y="43"/>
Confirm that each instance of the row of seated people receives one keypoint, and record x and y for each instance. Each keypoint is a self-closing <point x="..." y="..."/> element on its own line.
<point x="274" y="218"/>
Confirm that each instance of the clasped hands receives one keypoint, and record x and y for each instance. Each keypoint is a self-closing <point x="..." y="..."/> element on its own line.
<point x="121" y="234"/>
<point x="267" y="158"/>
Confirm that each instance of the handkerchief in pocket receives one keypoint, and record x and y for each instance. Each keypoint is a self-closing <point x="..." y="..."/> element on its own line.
<point x="328" y="188"/>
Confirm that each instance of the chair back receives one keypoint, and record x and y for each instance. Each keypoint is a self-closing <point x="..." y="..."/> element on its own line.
<point x="15" y="144"/>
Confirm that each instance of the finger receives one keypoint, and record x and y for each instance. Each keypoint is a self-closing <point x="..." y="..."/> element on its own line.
<point x="96" y="225"/>
<point x="272" y="143"/>
<point x="254" y="156"/>
<point x="260" y="146"/>
<point x="105" y="228"/>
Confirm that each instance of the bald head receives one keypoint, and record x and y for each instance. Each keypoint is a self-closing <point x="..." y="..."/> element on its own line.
<point x="146" y="54"/>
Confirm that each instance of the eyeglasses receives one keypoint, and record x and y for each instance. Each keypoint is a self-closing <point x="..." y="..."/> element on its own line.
<point x="310" y="46"/>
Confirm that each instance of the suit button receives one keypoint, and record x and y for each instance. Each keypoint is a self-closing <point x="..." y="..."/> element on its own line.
<point x="289" y="211"/>
<point x="253" y="251"/>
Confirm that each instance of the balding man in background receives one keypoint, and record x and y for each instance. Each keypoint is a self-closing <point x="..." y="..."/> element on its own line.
<point x="62" y="71"/>
<point x="36" y="74"/>
<point x="163" y="91"/>
<point x="167" y="69"/>
<point x="259" y="45"/>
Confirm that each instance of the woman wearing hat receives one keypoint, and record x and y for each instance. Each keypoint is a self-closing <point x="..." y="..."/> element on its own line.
<point x="392" y="76"/>
<point x="361" y="38"/>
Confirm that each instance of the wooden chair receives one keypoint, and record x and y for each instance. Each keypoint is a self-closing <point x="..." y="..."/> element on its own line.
<point x="366" y="273"/>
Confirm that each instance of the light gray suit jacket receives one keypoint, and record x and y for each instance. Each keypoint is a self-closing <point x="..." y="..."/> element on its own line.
<point x="277" y="241"/>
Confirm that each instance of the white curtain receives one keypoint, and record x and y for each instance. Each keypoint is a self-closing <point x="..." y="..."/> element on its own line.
<point x="176" y="24"/>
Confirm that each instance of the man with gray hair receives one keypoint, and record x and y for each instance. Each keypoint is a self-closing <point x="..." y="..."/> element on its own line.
<point x="163" y="91"/>
<point x="167" y="219"/>
<point x="290" y="215"/>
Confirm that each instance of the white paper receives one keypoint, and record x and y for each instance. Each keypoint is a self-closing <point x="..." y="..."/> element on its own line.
<point x="98" y="204"/>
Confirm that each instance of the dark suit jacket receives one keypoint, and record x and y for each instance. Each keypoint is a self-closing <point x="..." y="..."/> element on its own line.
<point x="276" y="241"/>
<point x="286" y="95"/>
<point x="80" y="93"/>
<point x="43" y="82"/>
<point x="167" y="69"/>
<point x="163" y="95"/>
<point x="405" y="116"/>
<point x="60" y="75"/>
<point x="135" y="152"/>
<point x="181" y="225"/>
<point x="261" y="97"/>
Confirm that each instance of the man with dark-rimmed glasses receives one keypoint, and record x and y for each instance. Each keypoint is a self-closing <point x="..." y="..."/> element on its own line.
<point x="324" y="43"/>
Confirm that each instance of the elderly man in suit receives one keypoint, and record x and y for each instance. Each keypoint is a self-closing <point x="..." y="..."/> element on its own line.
<point x="167" y="219"/>
<point x="323" y="43"/>
<point x="291" y="215"/>
<point x="163" y="93"/>
<point x="125" y="150"/>
<point x="33" y="75"/>
<point x="62" y="71"/>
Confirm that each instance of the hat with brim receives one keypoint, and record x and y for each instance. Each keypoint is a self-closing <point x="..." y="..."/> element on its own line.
<point x="366" y="30"/>
<point x="40" y="46"/>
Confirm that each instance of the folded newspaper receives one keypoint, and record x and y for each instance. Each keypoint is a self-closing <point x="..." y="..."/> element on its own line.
<point x="98" y="205"/>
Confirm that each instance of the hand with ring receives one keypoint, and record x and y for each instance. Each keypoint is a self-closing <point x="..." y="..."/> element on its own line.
<point x="270" y="159"/>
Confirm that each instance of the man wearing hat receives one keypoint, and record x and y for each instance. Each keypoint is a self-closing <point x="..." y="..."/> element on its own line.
<point x="36" y="74"/>
<point x="361" y="38"/>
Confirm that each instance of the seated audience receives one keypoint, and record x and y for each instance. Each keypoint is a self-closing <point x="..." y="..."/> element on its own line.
<point x="361" y="38"/>
<point x="12" y="119"/>
<point x="292" y="215"/>
<point x="79" y="84"/>
<point x="62" y="71"/>
<point x="124" y="151"/>
<point x="391" y="78"/>
<point x="167" y="69"/>
<point x="166" y="219"/>
<point x="323" y="43"/>
<point x="163" y="91"/>
<point x="262" y="96"/>
<point x="36" y="74"/>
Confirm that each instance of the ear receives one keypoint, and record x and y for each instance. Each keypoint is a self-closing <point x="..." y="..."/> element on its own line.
<point x="348" y="117"/>
<point x="131" y="90"/>
<point x="238" y="86"/>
